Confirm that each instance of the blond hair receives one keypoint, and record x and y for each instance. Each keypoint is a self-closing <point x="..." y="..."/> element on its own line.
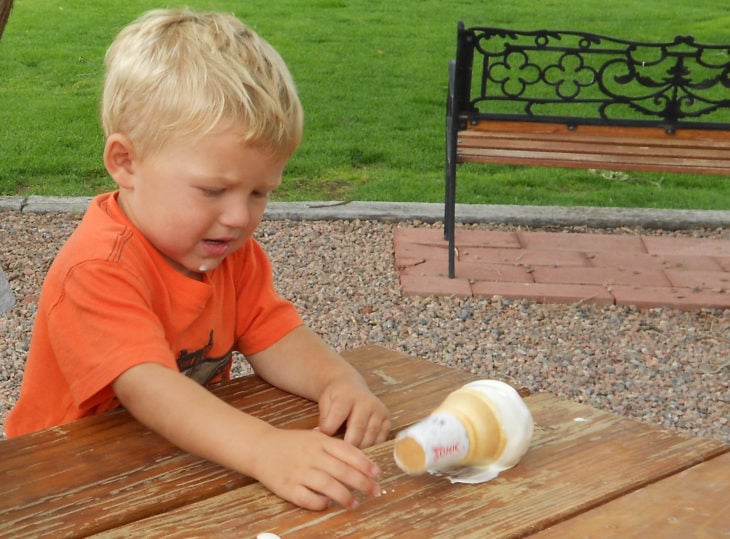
<point x="174" y="73"/>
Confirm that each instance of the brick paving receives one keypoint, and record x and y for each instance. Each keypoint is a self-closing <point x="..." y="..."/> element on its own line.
<point x="555" y="267"/>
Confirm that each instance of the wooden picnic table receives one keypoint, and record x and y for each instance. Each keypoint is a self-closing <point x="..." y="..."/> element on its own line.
<point x="588" y="473"/>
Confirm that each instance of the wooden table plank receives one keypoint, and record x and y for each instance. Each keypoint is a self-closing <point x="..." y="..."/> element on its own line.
<point x="88" y="475"/>
<point x="108" y="470"/>
<point x="580" y="458"/>
<point x="692" y="503"/>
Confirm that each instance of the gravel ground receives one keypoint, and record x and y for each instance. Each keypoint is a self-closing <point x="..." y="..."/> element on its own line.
<point x="664" y="367"/>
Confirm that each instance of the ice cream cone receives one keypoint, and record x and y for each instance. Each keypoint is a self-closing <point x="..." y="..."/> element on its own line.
<point x="485" y="424"/>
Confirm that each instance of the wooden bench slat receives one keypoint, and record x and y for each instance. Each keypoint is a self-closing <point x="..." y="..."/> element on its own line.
<point x="681" y="137"/>
<point x="580" y="457"/>
<point x="587" y="154"/>
<point x="661" y="145"/>
<point x="606" y="160"/>
<point x="716" y="153"/>
<point x="570" y="149"/>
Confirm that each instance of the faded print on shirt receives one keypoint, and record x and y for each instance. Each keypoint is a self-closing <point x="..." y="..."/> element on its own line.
<point x="202" y="368"/>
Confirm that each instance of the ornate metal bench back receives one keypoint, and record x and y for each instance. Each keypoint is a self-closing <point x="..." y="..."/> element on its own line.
<point x="580" y="78"/>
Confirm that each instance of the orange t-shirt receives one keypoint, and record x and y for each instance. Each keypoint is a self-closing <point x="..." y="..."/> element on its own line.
<point x="110" y="301"/>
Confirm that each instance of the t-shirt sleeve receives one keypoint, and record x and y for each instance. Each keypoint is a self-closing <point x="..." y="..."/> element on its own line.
<point x="101" y="326"/>
<point x="263" y="316"/>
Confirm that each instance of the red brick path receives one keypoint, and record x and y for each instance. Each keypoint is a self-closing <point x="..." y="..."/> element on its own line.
<point x="645" y="271"/>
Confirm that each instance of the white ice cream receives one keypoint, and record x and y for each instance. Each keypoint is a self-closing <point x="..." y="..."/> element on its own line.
<point x="439" y="443"/>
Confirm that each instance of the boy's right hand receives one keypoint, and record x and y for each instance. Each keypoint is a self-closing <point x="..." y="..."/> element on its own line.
<point x="311" y="469"/>
<point x="305" y="467"/>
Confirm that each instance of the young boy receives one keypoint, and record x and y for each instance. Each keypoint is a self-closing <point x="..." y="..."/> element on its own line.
<point x="162" y="279"/>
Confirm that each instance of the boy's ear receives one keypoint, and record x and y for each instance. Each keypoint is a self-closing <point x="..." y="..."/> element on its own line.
<point x="119" y="160"/>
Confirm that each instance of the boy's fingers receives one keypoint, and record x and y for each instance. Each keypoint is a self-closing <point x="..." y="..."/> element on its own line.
<point x="352" y="457"/>
<point x="308" y="499"/>
<point x="332" y="488"/>
<point x="366" y="431"/>
<point x="376" y="432"/>
<point x="366" y="426"/>
<point x="332" y="416"/>
<point x="356" y="430"/>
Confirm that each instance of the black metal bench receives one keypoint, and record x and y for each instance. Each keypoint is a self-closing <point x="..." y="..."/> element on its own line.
<point x="574" y="99"/>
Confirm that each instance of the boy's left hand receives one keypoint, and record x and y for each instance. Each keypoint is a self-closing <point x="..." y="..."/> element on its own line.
<point x="350" y="401"/>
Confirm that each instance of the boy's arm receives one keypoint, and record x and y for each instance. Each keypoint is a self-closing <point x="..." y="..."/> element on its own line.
<point x="194" y="419"/>
<point x="302" y="363"/>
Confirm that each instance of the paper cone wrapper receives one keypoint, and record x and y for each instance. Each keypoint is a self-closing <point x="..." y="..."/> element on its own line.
<point x="438" y="442"/>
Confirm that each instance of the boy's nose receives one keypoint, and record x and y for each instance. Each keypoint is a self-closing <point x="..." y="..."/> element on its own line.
<point x="236" y="215"/>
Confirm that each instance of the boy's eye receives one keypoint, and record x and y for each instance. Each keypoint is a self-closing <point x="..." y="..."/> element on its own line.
<point x="210" y="192"/>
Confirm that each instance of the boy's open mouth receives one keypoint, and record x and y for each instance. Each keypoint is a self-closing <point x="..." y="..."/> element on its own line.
<point x="216" y="247"/>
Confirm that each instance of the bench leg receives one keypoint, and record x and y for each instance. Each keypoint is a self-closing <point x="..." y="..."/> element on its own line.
<point x="450" y="213"/>
<point x="450" y="174"/>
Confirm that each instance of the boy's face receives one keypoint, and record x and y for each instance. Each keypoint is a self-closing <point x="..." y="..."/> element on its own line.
<point x="197" y="201"/>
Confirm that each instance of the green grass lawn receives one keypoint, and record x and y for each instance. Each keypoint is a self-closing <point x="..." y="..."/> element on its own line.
<point x="372" y="77"/>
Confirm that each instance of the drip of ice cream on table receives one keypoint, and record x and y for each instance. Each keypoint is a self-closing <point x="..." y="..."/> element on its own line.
<point x="477" y="432"/>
